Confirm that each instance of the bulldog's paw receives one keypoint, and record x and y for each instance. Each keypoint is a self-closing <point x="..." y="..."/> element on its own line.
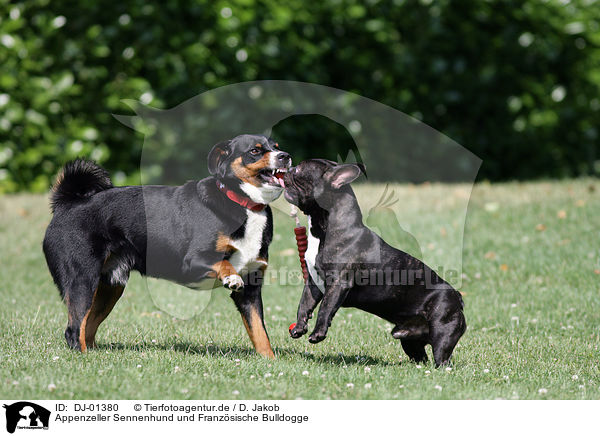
<point x="298" y="330"/>
<point x="316" y="337"/>
<point x="233" y="282"/>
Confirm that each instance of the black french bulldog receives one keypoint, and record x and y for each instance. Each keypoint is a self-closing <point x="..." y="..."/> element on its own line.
<point x="351" y="266"/>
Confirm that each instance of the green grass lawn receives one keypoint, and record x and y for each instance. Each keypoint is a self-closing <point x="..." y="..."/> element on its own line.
<point x="531" y="288"/>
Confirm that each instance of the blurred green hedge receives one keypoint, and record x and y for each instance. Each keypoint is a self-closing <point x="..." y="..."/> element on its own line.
<point x="516" y="82"/>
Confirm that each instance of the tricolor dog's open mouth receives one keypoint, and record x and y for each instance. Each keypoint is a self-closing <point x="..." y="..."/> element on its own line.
<point x="273" y="176"/>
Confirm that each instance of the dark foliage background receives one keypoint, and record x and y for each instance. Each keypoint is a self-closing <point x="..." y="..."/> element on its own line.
<point x="516" y="82"/>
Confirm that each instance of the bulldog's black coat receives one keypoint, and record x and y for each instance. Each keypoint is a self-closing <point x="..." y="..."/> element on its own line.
<point x="201" y="234"/>
<point x="354" y="267"/>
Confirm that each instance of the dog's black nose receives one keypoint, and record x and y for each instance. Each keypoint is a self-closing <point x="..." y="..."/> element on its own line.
<point x="284" y="158"/>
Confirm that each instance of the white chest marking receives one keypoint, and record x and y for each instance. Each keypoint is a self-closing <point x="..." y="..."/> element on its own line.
<point x="311" y="256"/>
<point x="263" y="194"/>
<point x="248" y="247"/>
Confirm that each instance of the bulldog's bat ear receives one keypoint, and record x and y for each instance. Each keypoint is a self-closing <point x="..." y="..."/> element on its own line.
<point x="217" y="158"/>
<point x="341" y="175"/>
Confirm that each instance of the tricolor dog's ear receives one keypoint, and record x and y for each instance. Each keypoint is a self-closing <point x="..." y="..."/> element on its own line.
<point x="341" y="175"/>
<point x="217" y="157"/>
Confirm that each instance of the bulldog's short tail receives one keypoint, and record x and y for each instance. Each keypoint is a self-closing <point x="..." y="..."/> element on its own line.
<point x="78" y="181"/>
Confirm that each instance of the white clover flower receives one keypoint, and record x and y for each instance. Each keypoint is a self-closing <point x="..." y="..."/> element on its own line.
<point x="438" y="387"/>
<point x="268" y="374"/>
<point x="542" y="391"/>
<point x="304" y="372"/>
<point x="575" y="377"/>
<point x="51" y="387"/>
<point x="486" y="370"/>
<point x="226" y="12"/>
<point x="367" y="369"/>
<point x="367" y="385"/>
<point x="350" y="385"/>
<point x="235" y="392"/>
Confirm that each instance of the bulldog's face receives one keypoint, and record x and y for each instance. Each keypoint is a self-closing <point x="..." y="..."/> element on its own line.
<point x="317" y="181"/>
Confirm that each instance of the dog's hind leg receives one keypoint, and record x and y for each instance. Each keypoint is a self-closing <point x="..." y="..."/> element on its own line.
<point x="415" y="349"/>
<point x="89" y="298"/>
<point x="104" y="299"/>
<point x="78" y="296"/>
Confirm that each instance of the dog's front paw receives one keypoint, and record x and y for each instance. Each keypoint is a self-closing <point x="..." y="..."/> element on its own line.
<point x="316" y="337"/>
<point x="233" y="282"/>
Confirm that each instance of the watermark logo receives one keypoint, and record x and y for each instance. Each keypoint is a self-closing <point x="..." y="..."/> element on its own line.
<point x="24" y="415"/>
<point x="399" y="152"/>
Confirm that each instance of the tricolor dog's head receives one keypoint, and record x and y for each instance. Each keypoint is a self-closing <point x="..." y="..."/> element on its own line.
<point x="253" y="163"/>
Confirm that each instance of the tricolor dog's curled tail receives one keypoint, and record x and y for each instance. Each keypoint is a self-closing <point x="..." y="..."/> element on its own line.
<point x="79" y="180"/>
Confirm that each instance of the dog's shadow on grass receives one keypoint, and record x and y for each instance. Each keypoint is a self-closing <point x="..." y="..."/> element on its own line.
<point x="235" y="352"/>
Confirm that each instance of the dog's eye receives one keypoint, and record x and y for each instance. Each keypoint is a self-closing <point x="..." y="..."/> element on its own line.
<point x="254" y="151"/>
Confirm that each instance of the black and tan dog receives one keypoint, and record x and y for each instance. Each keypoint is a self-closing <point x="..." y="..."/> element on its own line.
<point x="201" y="234"/>
<point x="350" y="266"/>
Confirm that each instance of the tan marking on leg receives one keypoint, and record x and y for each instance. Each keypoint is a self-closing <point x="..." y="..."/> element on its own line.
<point x="104" y="299"/>
<point x="224" y="244"/>
<point x="82" y="343"/>
<point x="263" y="263"/>
<point x="223" y="269"/>
<point x="258" y="334"/>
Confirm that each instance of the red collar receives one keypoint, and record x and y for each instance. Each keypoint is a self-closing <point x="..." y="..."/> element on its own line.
<point x="242" y="200"/>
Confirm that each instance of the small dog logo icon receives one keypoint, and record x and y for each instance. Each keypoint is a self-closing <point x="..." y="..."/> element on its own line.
<point x="382" y="219"/>
<point x="26" y="415"/>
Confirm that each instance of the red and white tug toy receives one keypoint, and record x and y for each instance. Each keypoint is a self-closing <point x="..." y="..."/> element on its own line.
<point x="302" y="243"/>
